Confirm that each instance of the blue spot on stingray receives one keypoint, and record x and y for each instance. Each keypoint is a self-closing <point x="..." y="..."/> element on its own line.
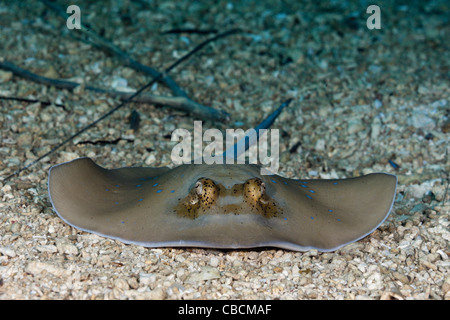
<point x="122" y="222"/>
<point x="312" y="191"/>
<point x="172" y="191"/>
<point x="140" y="200"/>
<point x="312" y="218"/>
<point x="116" y="202"/>
<point x="304" y="186"/>
<point x="117" y="185"/>
<point x="106" y="189"/>
<point x="273" y="181"/>
<point x="285" y="218"/>
<point x="329" y="210"/>
<point x="309" y="196"/>
<point x="139" y="185"/>
<point x="155" y="185"/>
<point x="285" y="182"/>
<point x="142" y="179"/>
<point x="335" y="183"/>
<point x="159" y="191"/>
<point x="339" y="220"/>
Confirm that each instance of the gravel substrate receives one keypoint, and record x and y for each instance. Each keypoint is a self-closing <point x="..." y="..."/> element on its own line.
<point x="362" y="98"/>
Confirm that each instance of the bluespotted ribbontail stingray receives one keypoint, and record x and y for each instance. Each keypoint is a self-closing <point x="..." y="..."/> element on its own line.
<point x="219" y="205"/>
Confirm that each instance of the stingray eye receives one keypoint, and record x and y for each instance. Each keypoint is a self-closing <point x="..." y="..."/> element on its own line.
<point x="198" y="188"/>
<point x="255" y="189"/>
<point x="262" y="188"/>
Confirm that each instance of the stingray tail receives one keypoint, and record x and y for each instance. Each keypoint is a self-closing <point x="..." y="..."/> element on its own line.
<point x="244" y="144"/>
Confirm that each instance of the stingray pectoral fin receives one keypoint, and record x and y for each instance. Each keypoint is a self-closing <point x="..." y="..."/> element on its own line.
<point x="92" y="198"/>
<point x="328" y="214"/>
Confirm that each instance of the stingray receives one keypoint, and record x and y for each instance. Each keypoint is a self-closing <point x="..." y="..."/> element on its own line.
<point x="226" y="206"/>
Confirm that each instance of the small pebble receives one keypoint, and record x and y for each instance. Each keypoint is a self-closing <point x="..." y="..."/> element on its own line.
<point x="214" y="262"/>
<point x="5" y="76"/>
<point x="65" y="247"/>
<point x="7" y="251"/>
<point x="207" y="273"/>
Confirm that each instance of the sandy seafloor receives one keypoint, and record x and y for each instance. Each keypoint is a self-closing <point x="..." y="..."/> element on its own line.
<point x="360" y="98"/>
